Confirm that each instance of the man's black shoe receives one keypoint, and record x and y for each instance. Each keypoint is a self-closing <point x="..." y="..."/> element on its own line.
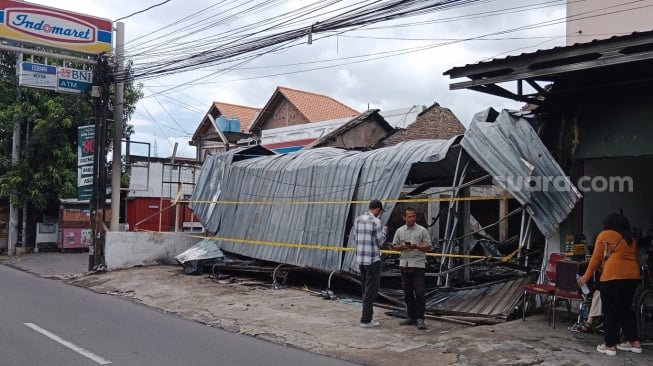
<point x="420" y="324"/>
<point x="408" y="321"/>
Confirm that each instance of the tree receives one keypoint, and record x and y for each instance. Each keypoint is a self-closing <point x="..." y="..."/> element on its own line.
<point x="47" y="168"/>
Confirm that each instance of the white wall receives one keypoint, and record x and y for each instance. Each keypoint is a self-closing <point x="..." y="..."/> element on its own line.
<point x="600" y="19"/>
<point x="156" y="180"/>
<point x="129" y="249"/>
<point x="145" y="180"/>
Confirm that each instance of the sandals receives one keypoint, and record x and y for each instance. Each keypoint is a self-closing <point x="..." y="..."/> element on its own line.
<point x="585" y="328"/>
<point x="626" y="346"/>
<point x="603" y="349"/>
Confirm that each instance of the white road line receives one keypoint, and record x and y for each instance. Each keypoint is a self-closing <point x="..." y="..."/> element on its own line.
<point x="72" y="346"/>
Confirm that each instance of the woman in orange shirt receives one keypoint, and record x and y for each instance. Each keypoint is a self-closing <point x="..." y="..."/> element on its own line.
<point x="616" y="249"/>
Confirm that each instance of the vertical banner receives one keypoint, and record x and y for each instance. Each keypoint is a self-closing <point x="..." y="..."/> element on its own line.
<point x="85" y="160"/>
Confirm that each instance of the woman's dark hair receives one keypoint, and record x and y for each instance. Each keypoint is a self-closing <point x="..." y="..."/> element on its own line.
<point x="620" y="224"/>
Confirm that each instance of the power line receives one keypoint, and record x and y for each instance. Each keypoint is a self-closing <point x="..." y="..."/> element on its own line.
<point x="364" y="14"/>
<point x="171" y="117"/>
<point x="142" y="11"/>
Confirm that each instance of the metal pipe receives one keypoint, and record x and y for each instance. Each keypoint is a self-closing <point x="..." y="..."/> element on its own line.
<point x="47" y="54"/>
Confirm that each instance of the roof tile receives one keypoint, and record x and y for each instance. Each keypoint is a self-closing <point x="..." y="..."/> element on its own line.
<point x="245" y="114"/>
<point x="317" y="107"/>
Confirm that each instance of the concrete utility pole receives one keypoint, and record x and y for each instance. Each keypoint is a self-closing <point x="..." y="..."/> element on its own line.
<point x="118" y="124"/>
<point x="15" y="152"/>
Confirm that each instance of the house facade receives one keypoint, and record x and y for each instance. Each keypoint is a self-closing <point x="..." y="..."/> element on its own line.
<point x="207" y="139"/>
<point x="593" y="104"/>
<point x="289" y="120"/>
<point x="360" y="133"/>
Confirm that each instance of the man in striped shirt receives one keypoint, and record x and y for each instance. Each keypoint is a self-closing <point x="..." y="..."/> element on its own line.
<point x="369" y="236"/>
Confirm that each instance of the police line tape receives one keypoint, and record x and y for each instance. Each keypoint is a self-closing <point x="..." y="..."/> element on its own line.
<point x="408" y="200"/>
<point x="340" y="249"/>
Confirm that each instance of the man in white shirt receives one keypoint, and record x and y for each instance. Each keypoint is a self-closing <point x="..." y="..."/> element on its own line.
<point x="413" y="241"/>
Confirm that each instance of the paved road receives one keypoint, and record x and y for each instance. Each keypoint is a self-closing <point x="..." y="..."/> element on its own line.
<point x="46" y="322"/>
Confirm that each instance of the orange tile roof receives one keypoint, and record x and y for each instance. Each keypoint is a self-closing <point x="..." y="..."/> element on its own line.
<point x="316" y="107"/>
<point x="245" y="114"/>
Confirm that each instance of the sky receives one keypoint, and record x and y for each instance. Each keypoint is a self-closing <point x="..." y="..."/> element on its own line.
<point x="388" y="65"/>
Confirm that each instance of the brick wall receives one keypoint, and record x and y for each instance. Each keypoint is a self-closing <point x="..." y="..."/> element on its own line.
<point x="434" y="123"/>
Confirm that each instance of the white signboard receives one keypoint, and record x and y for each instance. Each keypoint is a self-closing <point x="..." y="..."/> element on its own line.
<point x="84" y="181"/>
<point x="60" y="79"/>
<point x="37" y="76"/>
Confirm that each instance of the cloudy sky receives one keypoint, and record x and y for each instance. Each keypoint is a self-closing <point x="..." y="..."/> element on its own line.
<point x="388" y="65"/>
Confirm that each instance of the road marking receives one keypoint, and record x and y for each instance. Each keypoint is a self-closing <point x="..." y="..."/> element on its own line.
<point x="72" y="346"/>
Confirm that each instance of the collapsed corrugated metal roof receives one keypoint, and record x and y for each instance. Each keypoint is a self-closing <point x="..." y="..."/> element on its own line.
<point x="215" y="171"/>
<point x="507" y="147"/>
<point x="296" y="208"/>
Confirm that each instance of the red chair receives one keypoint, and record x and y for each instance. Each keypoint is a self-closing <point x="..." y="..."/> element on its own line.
<point x="548" y="286"/>
<point x="566" y="287"/>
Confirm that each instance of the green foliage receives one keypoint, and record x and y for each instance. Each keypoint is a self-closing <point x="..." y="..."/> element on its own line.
<point x="47" y="168"/>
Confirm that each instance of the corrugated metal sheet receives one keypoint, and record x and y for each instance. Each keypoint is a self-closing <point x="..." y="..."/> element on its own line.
<point x="492" y="300"/>
<point x="542" y="54"/>
<point x="269" y="205"/>
<point x="205" y="249"/>
<point x="384" y="174"/>
<point x="508" y="148"/>
<point x="214" y="172"/>
<point x="302" y="198"/>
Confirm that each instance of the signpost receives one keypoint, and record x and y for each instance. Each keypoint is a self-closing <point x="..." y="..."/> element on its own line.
<point x="85" y="161"/>
<point x="37" y="76"/>
<point x="24" y="24"/>
<point x="60" y="79"/>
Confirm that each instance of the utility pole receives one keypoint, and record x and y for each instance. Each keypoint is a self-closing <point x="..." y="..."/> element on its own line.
<point x="118" y="124"/>
<point x="98" y="200"/>
<point x="15" y="151"/>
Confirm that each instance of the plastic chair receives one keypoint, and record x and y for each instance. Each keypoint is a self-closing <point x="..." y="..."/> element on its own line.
<point x="548" y="286"/>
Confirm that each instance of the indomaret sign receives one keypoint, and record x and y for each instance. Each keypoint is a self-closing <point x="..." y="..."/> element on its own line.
<point x="52" y="27"/>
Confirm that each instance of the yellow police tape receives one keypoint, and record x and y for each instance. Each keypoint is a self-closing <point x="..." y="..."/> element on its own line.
<point x="408" y="200"/>
<point x="342" y="249"/>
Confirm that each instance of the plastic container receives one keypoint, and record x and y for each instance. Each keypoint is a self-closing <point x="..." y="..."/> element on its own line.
<point x="223" y="123"/>
<point x="584" y="288"/>
<point x="234" y="124"/>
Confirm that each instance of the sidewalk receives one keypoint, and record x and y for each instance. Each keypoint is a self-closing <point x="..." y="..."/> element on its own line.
<point x="297" y="318"/>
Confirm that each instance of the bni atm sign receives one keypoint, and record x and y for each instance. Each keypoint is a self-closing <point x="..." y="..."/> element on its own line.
<point x="60" y="79"/>
<point x="73" y="80"/>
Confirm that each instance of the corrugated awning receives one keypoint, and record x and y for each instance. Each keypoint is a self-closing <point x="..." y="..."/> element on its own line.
<point x="508" y="148"/>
